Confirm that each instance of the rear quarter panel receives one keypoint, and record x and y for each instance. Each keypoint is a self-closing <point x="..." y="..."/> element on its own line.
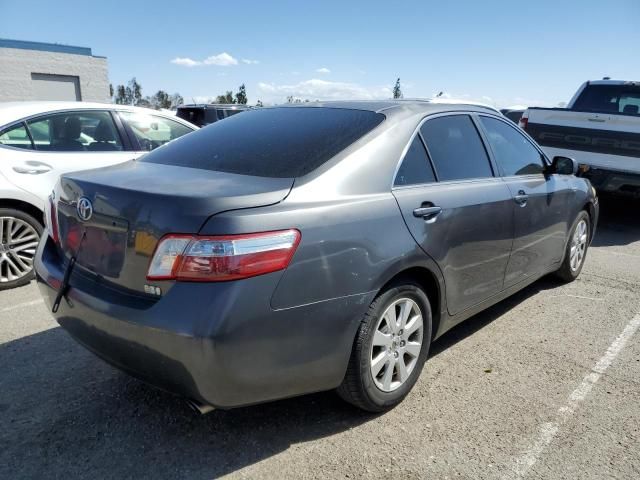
<point x="348" y="247"/>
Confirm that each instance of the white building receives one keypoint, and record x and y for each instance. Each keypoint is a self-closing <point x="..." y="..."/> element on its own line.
<point x="48" y="71"/>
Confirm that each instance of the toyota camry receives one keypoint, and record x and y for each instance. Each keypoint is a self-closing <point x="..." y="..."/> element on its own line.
<point x="296" y="249"/>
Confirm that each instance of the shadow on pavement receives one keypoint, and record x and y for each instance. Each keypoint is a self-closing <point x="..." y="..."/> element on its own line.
<point x="619" y="222"/>
<point x="66" y="414"/>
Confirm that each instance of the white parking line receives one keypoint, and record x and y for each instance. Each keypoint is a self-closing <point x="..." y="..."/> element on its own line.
<point x="22" y="305"/>
<point x="549" y="430"/>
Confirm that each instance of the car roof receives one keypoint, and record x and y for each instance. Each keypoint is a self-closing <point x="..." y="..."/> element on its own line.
<point x="613" y="82"/>
<point x="13" y="111"/>
<point x="387" y="106"/>
<point x="228" y="106"/>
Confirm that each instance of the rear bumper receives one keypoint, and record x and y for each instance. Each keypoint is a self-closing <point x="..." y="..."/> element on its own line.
<point x="220" y="344"/>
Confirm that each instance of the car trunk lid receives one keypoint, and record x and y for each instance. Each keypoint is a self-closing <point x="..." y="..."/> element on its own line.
<point x="134" y="204"/>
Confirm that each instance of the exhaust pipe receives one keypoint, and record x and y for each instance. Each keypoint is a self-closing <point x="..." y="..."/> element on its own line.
<point x="200" y="407"/>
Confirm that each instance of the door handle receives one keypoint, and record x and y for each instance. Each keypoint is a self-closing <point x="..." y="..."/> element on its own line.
<point x="31" y="170"/>
<point x="521" y="198"/>
<point x="428" y="213"/>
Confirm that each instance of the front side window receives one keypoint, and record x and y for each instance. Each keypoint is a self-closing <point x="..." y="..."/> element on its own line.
<point x="514" y="154"/>
<point x="75" y="132"/>
<point x="415" y="168"/>
<point x="455" y="148"/>
<point x="153" y="131"/>
<point x="16" y="137"/>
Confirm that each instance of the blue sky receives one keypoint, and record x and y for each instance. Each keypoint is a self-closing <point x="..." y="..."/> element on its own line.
<point x="501" y="52"/>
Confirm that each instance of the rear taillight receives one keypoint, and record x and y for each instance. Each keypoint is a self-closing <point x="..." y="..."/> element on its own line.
<point x="51" y="218"/>
<point x="219" y="258"/>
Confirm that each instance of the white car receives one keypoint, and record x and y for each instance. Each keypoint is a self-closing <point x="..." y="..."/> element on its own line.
<point x="41" y="140"/>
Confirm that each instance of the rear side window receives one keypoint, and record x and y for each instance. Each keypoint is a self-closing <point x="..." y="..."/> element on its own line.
<point x="75" y="132"/>
<point x="455" y="148"/>
<point x="610" y="99"/>
<point x="16" y="137"/>
<point x="415" y="168"/>
<point x="270" y="142"/>
<point x="152" y="131"/>
<point x="513" y="152"/>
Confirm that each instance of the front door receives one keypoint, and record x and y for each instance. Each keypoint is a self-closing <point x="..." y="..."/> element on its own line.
<point x="540" y="200"/>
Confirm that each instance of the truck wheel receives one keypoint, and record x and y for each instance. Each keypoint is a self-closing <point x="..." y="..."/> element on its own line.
<point x="19" y="237"/>
<point x="577" y="246"/>
<point x="390" y="349"/>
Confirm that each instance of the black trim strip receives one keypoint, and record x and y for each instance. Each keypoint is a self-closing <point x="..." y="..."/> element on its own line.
<point x="586" y="139"/>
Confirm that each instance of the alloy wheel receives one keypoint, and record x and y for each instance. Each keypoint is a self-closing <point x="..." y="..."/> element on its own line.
<point x="397" y="342"/>
<point x="578" y="245"/>
<point x="18" y="243"/>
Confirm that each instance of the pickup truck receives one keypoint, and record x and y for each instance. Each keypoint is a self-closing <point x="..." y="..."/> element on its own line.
<point x="600" y="128"/>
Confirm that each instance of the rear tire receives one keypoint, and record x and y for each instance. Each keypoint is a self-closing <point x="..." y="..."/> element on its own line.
<point x="576" y="250"/>
<point x="19" y="237"/>
<point x="386" y="361"/>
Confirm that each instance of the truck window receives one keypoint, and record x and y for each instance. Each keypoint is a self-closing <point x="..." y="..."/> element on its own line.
<point x="616" y="99"/>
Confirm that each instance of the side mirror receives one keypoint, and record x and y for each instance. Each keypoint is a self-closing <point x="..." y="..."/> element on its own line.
<point x="563" y="166"/>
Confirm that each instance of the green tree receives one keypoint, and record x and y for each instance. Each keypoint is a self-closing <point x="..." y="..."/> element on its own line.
<point x="176" y="100"/>
<point x="397" y="91"/>
<point x="160" y="99"/>
<point x="226" y="98"/>
<point x="121" y="95"/>
<point x="111" y="90"/>
<point x="259" y="103"/>
<point x="241" y="96"/>
<point x="133" y="92"/>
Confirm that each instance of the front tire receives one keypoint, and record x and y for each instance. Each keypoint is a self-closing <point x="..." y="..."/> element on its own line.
<point x="576" y="250"/>
<point x="19" y="237"/>
<point x="390" y="349"/>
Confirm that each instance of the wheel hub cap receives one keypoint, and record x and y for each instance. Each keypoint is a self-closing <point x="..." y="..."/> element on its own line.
<point x="396" y="345"/>
<point x="578" y="245"/>
<point x="18" y="242"/>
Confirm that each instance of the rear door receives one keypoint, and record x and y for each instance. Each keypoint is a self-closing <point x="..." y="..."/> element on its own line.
<point x="540" y="213"/>
<point x="62" y="142"/>
<point x="456" y="208"/>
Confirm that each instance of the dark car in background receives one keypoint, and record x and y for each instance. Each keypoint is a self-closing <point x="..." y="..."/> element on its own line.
<point x="206" y="113"/>
<point x="513" y="114"/>
<point x="296" y="249"/>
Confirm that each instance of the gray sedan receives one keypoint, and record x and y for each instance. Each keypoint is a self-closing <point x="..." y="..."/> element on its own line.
<point x="295" y="249"/>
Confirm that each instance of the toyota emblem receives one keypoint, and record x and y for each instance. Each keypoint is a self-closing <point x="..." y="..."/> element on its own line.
<point x="84" y="209"/>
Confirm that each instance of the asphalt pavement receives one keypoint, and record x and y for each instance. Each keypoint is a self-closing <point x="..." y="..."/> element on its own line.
<point x="545" y="385"/>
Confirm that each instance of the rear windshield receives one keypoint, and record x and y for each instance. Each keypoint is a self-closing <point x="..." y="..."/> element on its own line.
<point x="281" y="142"/>
<point x="623" y="99"/>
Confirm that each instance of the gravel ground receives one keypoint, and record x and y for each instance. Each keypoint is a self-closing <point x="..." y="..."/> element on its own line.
<point x="517" y="391"/>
